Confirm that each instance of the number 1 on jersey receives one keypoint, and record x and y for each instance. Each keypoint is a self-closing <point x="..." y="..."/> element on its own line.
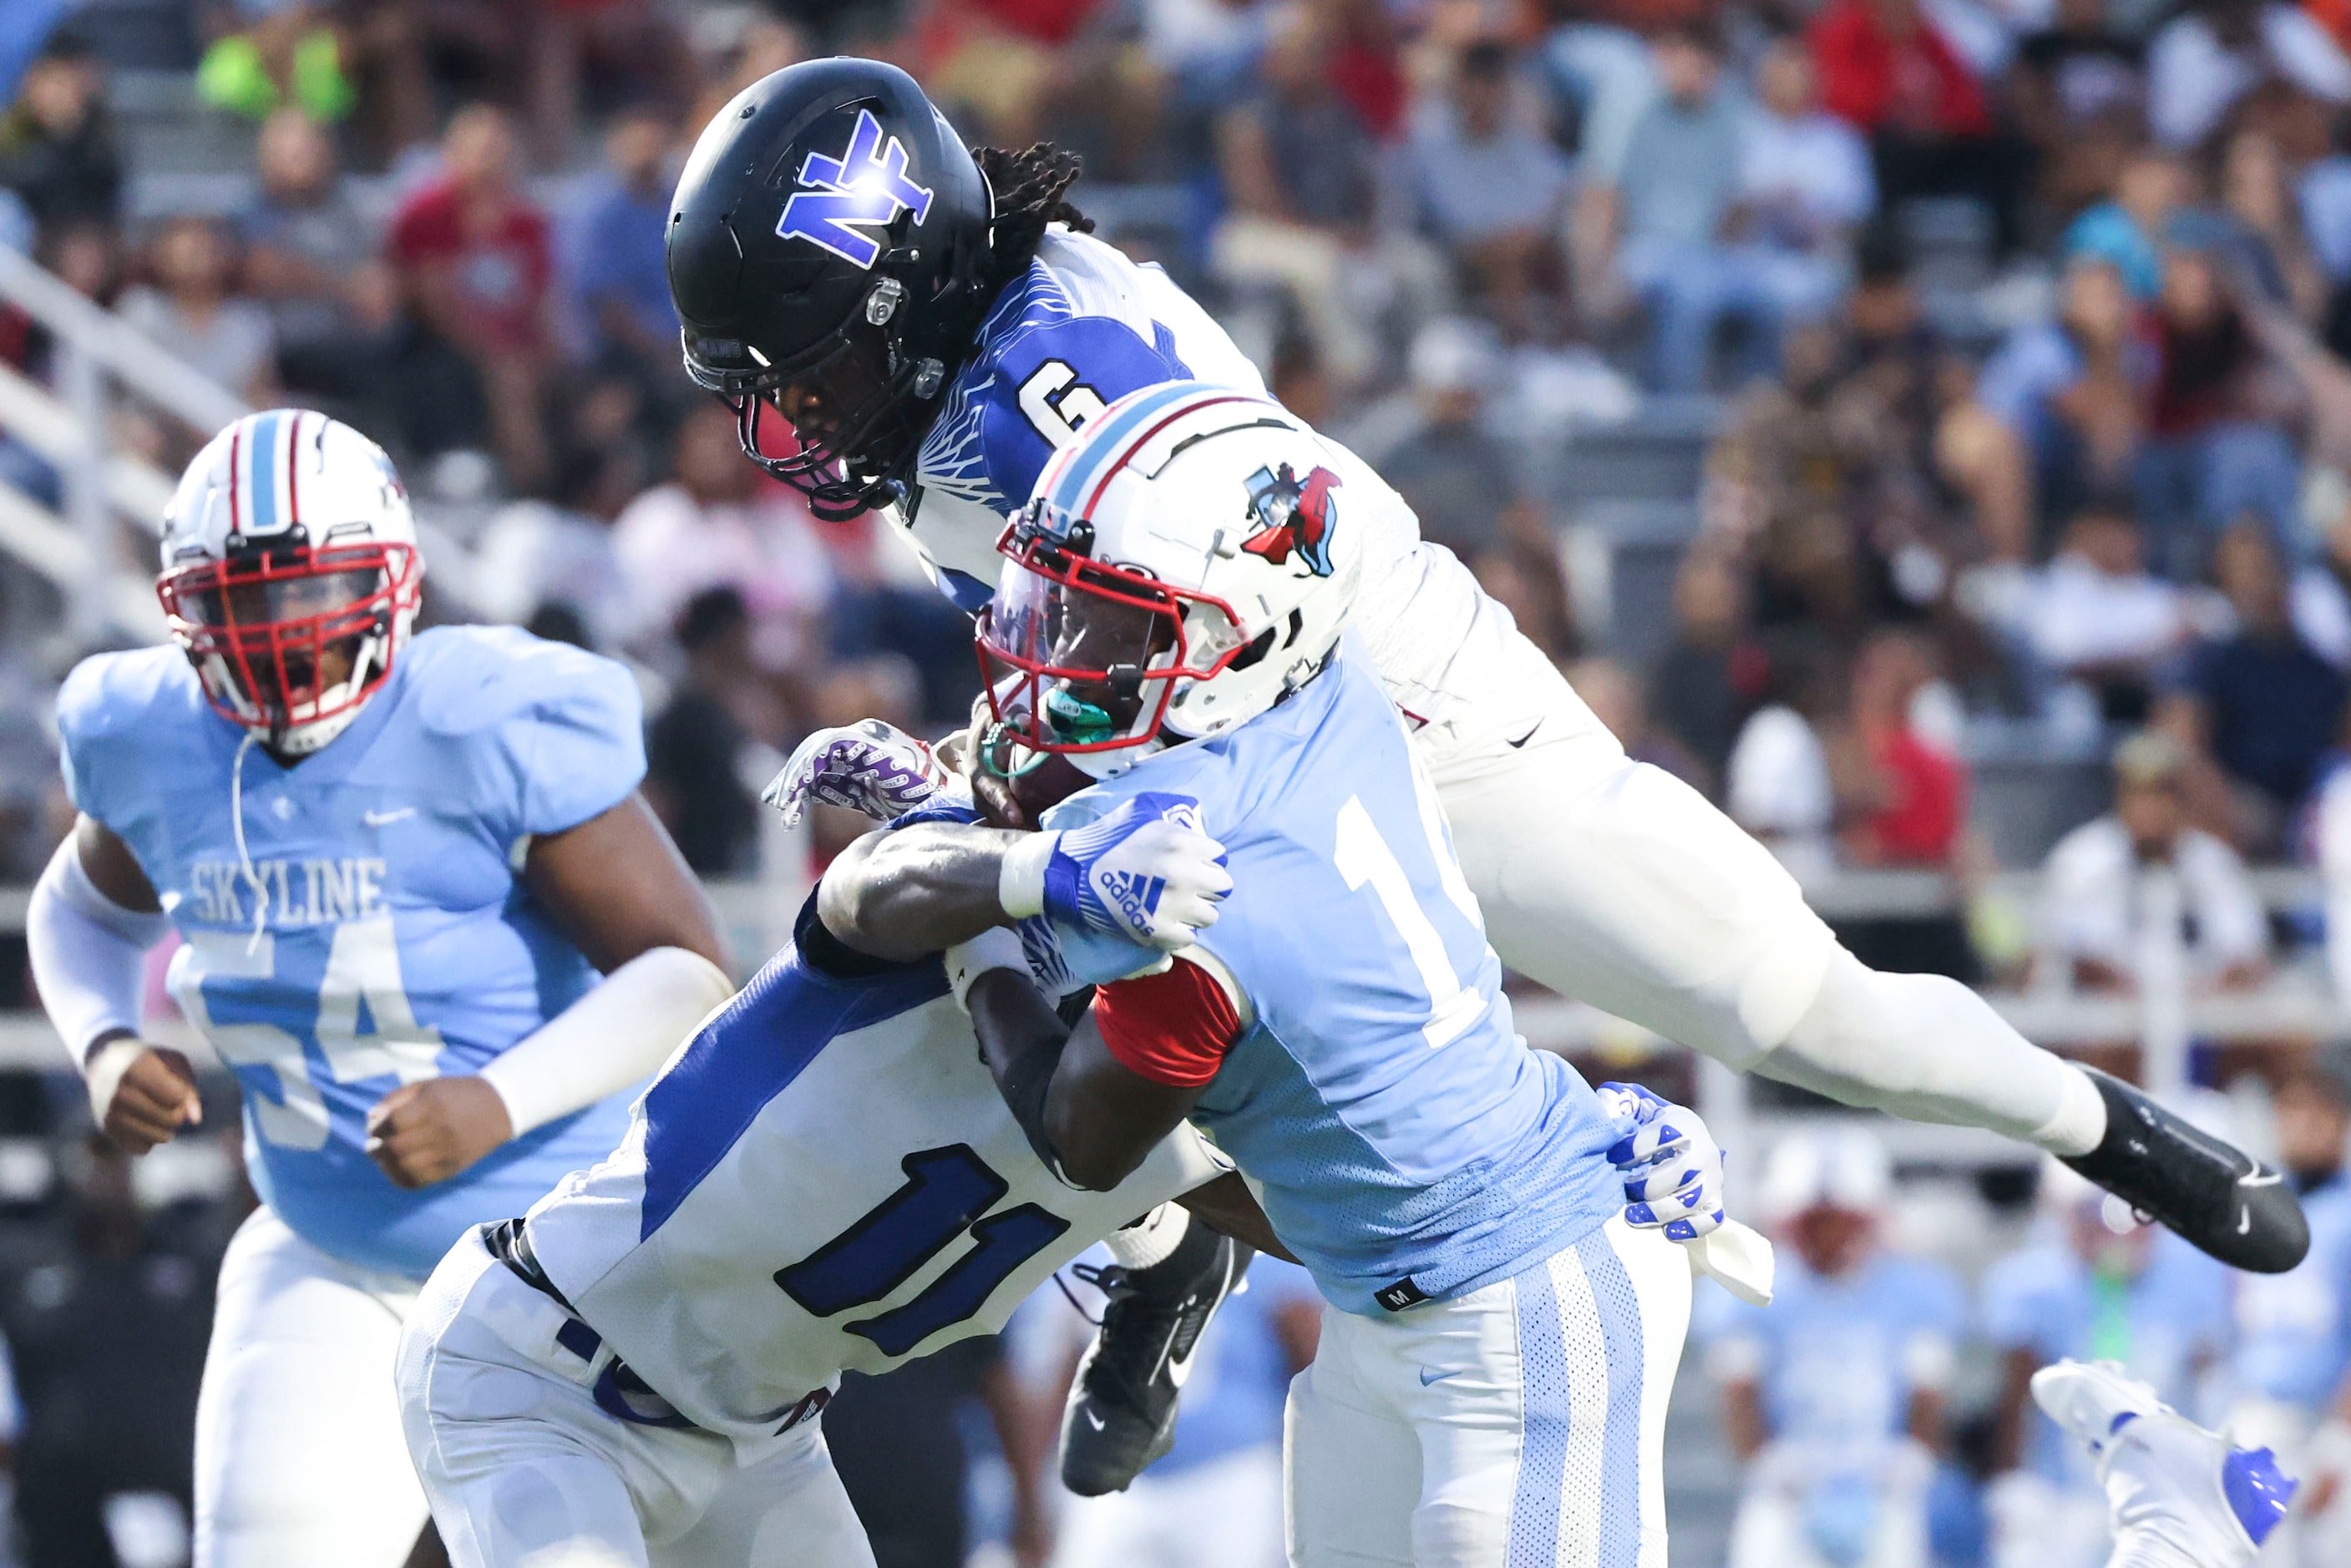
<point x="1364" y="857"/>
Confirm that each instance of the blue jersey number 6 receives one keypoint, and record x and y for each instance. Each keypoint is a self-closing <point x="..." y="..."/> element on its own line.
<point x="946" y="1193"/>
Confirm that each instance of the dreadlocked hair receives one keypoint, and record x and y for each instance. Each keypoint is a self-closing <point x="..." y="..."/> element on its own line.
<point x="1027" y="186"/>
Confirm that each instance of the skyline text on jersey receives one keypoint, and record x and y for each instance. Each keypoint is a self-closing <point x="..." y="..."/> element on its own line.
<point x="291" y="893"/>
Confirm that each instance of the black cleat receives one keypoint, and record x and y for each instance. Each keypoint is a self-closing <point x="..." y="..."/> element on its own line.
<point x="2216" y="1195"/>
<point x="1121" y="1410"/>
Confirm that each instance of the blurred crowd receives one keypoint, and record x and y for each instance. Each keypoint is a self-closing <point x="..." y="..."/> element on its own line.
<point x="2009" y="344"/>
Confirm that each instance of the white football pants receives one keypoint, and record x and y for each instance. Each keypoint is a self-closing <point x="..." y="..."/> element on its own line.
<point x="525" y="1470"/>
<point x="1613" y="882"/>
<point x="299" y="1458"/>
<point x="1522" y="1424"/>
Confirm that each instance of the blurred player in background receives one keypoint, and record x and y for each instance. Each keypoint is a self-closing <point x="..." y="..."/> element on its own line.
<point x="396" y="862"/>
<point x="1835" y="1395"/>
<point x="2292" y="1372"/>
<point x="930" y="327"/>
<point x="2140" y="1298"/>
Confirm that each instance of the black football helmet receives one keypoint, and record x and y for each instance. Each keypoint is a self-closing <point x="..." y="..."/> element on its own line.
<point x="828" y="255"/>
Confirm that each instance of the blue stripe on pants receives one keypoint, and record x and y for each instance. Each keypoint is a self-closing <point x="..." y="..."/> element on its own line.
<point x="1546" y="1413"/>
<point x="1620" y="1452"/>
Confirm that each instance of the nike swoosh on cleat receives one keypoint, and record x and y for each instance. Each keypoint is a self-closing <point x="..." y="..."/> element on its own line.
<point x="2260" y="1179"/>
<point x="1094" y="1421"/>
<point x="2244" y="1220"/>
<point x="1430" y="1375"/>
<point x="379" y="818"/>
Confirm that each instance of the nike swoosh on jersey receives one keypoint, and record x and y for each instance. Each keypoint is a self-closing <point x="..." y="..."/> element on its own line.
<point x="1430" y="1375"/>
<point x="381" y="818"/>
<point x="1522" y="740"/>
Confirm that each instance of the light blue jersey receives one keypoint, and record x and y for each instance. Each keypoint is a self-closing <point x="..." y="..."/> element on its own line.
<point x="1404" y="1142"/>
<point x="2295" y="1328"/>
<point x="2163" y="1326"/>
<point x="373" y="930"/>
<point x="1839" y="1359"/>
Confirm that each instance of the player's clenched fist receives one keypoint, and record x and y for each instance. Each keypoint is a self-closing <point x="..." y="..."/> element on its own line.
<point x="428" y="1132"/>
<point x="1146" y="872"/>
<point x="1672" y="1166"/>
<point x="869" y="767"/>
<point x="141" y="1093"/>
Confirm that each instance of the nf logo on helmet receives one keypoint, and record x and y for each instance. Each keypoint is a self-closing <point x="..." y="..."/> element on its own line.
<point x="867" y="184"/>
<point x="1293" y="514"/>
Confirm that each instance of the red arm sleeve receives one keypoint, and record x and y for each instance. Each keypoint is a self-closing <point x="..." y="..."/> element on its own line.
<point x="1172" y="1028"/>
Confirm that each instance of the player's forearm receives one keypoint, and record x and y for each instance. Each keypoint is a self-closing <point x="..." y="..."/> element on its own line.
<point x="921" y="890"/>
<point x="614" y="1037"/>
<point x="88" y="955"/>
<point x="1021" y="1041"/>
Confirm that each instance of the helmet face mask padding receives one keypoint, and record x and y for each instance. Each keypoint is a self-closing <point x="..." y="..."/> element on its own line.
<point x="291" y="575"/>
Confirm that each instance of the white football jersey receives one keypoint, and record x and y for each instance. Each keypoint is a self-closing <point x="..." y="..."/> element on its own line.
<point x="824" y="1178"/>
<point x="1085" y="327"/>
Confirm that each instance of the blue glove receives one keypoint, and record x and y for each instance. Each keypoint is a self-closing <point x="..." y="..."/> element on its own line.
<point x="1672" y="1166"/>
<point x="1145" y="875"/>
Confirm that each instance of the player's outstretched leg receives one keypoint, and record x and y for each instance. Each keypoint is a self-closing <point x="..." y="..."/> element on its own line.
<point x="1121" y="1410"/>
<point x="1615" y="883"/>
<point x="1914" y="1045"/>
<point x="2180" y="1497"/>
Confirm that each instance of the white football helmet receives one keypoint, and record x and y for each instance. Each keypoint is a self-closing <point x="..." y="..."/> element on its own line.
<point x="291" y="573"/>
<point x="1180" y="568"/>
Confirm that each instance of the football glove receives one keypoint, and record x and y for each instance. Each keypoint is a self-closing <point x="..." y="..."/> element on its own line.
<point x="1671" y="1166"/>
<point x="870" y="767"/>
<point x="1146" y="873"/>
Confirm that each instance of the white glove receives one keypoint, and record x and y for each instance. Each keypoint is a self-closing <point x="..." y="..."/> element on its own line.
<point x="870" y="767"/>
<point x="1673" y="1171"/>
<point x="1673" y="1183"/>
<point x="1146" y="873"/>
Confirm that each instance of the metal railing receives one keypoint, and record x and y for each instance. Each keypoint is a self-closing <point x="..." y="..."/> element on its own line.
<point x="70" y="426"/>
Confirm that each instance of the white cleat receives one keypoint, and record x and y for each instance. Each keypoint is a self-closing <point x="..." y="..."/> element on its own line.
<point x="2180" y="1496"/>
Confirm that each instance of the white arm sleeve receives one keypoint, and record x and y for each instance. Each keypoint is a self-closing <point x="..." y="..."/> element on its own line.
<point x="610" y="1038"/>
<point x="88" y="953"/>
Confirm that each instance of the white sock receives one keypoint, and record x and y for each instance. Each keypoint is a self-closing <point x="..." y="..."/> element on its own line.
<point x="2080" y="1124"/>
<point x="1930" y="1050"/>
<point x="1149" y="1240"/>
